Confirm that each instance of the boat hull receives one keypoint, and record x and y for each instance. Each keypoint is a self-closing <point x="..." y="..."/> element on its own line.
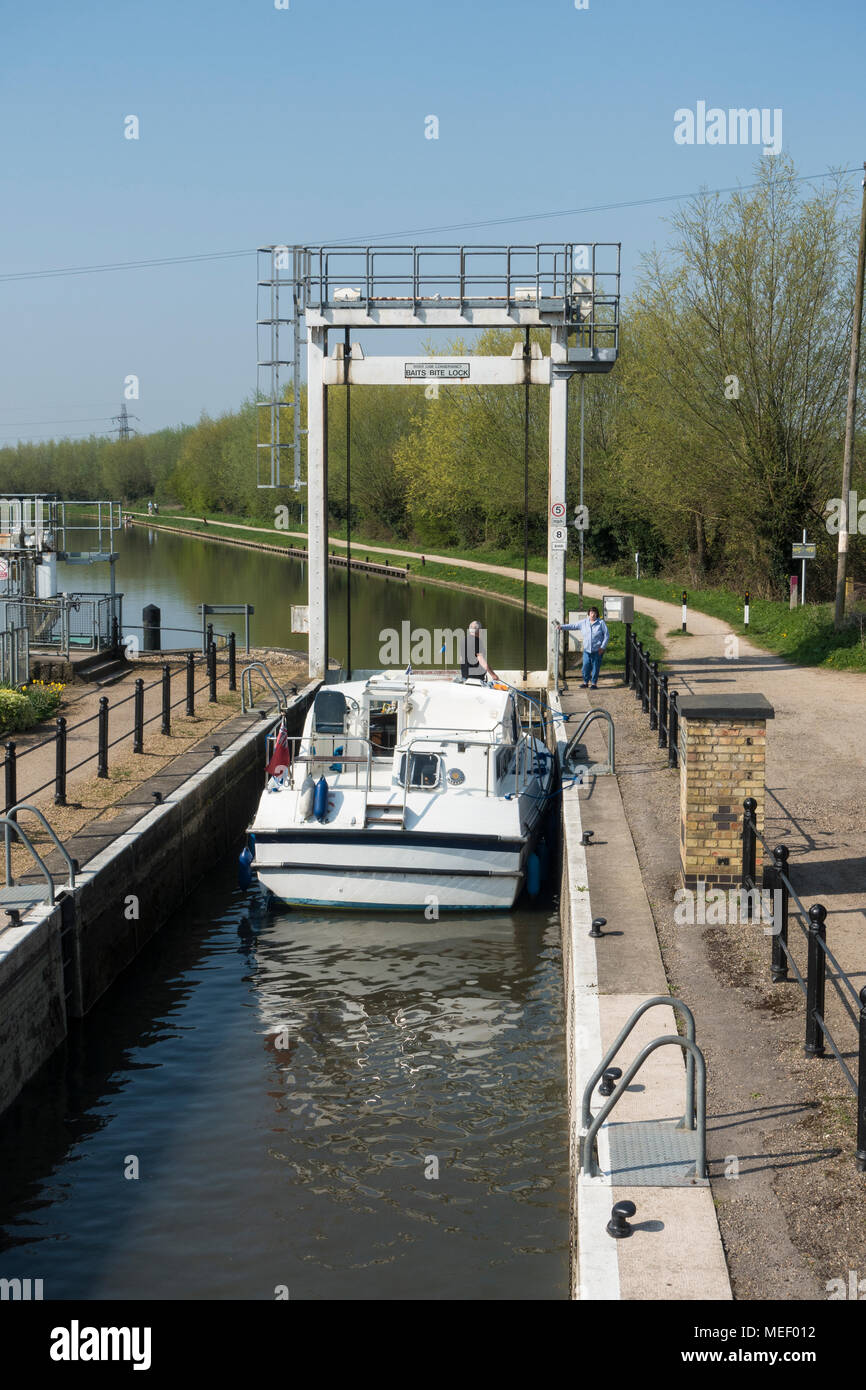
<point x="393" y="871"/>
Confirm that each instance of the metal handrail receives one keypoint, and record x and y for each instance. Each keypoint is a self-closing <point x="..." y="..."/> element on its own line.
<point x="584" y="724"/>
<point x="12" y="812"/>
<point x="688" y="1118"/>
<point x="8" y="825"/>
<point x="590" y="1165"/>
<point x="270" y="681"/>
<point x="311" y="756"/>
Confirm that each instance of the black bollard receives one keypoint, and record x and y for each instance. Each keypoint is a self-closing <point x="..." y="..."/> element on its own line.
<point x="150" y="622"/>
<point x="618" y="1226"/>
<point x="102" y="735"/>
<point x="608" y="1080"/>
<point x="60" y="763"/>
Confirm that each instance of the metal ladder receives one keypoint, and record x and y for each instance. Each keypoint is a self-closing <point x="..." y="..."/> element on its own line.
<point x="16" y="898"/>
<point x="270" y="681"/>
<point x="651" y="1153"/>
<point x="569" y="755"/>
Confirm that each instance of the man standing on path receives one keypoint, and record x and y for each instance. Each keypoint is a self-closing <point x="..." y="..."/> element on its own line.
<point x="594" y="636"/>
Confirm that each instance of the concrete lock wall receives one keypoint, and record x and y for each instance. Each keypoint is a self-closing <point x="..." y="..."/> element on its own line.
<point x="121" y="899"/>
<point x="32" y="1006"/>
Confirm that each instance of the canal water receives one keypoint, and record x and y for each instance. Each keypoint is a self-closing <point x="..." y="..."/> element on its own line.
<point x="178" y="573"/>
<point x="345" y="1108"/>
<point x="318" y="1107"/>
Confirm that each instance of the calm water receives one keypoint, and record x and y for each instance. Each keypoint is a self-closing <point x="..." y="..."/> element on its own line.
<point x="410" y="1044"/>
<point x="303" y="1166"/>
<point x="177" y="573"/>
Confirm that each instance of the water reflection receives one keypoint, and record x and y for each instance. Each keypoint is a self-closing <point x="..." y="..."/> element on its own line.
<point x="286" y="1083"/>
<point x="178" y="573"/>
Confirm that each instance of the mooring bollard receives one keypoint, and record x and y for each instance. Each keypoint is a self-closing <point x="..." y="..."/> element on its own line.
<point x="138" y="717"/>
<point x="166" y="699"/>
<point x="60" y="762"/>
<point x="861" y="1088"/>
<point x="151" y="638"/>
<point x="775" y="882"/>
<point x="233" y="675"/>
<point x="212" y="673"/>
<point x="102" y="731"/>
<point x="190" y="684"/>
<point x="815" y="980"/>
<point x="11" y="777"/>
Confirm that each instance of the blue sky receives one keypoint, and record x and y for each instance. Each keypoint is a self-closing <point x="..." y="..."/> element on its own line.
<point x="260" y="125"/>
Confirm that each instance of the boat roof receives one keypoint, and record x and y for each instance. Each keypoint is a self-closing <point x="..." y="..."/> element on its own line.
<point x="437" y="703"/>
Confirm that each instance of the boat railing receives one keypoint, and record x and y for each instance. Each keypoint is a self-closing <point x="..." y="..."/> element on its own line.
<point x="307" y="751"/>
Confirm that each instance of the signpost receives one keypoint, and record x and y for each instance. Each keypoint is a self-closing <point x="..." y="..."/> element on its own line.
<point x="558" y="526"/>
<point x="803" y="552"/>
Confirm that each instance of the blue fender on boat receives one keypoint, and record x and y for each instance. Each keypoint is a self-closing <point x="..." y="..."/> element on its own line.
<point x="320" y="800"/>
<point x="245" y="872"/>
<point x="533" y="875"/>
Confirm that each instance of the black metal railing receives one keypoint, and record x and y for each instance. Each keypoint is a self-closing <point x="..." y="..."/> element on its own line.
<point x="657" y="700"/>
<point x="812" y="921"/>
<point x="62" y="730"/>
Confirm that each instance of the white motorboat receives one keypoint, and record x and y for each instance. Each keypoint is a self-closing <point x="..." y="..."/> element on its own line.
<point x="405" y="792"/>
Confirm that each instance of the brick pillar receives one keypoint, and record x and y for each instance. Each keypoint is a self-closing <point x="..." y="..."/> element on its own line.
<point x="723" y="741"/>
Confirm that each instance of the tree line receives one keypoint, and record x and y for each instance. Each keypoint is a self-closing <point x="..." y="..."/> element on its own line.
<point x="715" y="439"/>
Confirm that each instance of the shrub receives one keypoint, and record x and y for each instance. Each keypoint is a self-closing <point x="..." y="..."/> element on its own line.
<point x="31" y="704"/>
<point x="15" y="710"/>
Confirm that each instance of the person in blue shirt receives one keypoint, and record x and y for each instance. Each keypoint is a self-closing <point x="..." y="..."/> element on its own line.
<point x="594" y="637"/>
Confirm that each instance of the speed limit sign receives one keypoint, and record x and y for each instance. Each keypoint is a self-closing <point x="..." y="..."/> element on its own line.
<point x="557" y="511"/>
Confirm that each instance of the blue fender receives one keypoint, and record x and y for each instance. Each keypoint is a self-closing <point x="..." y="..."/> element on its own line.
<point x="245" y="872"/>
<point x="533" y="875"/>
<point x="320" y="800"/>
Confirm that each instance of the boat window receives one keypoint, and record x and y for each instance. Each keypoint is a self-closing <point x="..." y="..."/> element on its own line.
<point x="504" y="762"/>
<point x="423" y="771"/>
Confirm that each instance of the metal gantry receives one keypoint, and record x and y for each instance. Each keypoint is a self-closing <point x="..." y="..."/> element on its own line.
<point x="571" y="289"/>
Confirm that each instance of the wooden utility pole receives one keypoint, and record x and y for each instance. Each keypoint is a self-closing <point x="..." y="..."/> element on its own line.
<point x="848" y="458"/>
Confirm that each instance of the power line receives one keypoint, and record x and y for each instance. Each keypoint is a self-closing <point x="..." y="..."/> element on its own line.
<point x="49" y="438"/>
<point x="411" y="231"/>
<point x="70" y="420"/>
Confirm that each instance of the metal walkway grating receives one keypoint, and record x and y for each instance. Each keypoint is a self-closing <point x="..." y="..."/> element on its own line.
<point x="653" y="1153"/>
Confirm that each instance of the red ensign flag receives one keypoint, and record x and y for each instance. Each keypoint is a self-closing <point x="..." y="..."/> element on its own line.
<point x="282" y="754"/>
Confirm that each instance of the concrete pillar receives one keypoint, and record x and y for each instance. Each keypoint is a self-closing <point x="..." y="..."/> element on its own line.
<point x="722" y="748"/>
<point x="317" y="509"/>
<point x="557" y="447"/>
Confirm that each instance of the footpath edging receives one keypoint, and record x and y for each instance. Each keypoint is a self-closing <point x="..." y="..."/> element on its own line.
<point x="676" y="1250"/>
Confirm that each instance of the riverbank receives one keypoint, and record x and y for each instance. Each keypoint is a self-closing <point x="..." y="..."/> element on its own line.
<point x="492" y="581"/>
<point x="803" y="635"/>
